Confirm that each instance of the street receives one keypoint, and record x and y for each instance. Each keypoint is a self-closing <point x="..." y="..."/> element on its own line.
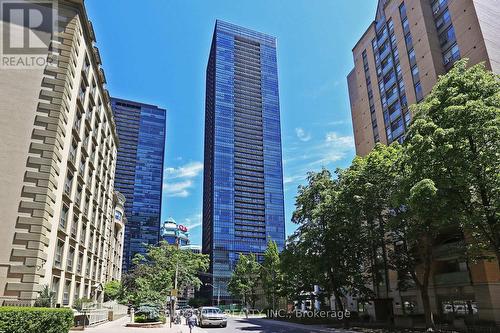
<point x="261" y="325"/>
<point x="235" y="324"/>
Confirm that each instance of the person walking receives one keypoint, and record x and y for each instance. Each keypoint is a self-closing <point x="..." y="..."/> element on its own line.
<point x="191" y="321"/>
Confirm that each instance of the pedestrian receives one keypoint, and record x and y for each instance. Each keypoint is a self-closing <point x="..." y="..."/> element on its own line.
<point x="246" y="312"/>
<point x="191" y="321"/>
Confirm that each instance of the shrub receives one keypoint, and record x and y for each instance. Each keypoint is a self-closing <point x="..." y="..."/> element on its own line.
<point x="149" y="312"/>
<point x="35" y="320"/>
<point x="45" y="298"/>
<point x="82" y="303"/>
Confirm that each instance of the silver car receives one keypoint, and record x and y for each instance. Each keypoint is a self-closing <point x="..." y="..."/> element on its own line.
<point x="211" y="316"/>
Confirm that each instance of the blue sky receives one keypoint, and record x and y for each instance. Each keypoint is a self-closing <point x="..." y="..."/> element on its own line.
<point x="156" y="52"/>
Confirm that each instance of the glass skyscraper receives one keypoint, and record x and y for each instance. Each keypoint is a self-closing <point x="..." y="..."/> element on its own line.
<point x="243" y="176"/>
<point x="139" y="172"/>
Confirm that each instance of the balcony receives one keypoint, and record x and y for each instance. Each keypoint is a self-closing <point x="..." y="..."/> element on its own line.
<point x="448" y="251"/>
<point x="382" y="38"/>
<point x="395" y="115"/>
<point x="390" y="83"/>
<point x="387" y="68"/>
<point x="385" y="53"/>
<point x="454" y="278"/>
<point x="76" y="128"/>
<point x="393" y="98"/>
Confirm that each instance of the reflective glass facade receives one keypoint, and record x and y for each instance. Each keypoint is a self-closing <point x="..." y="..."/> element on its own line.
<point x="243" y="177"/>
<point x="139" y="172"/>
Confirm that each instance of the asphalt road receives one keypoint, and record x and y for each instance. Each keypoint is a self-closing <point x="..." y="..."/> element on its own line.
<point x="259" y="325"/>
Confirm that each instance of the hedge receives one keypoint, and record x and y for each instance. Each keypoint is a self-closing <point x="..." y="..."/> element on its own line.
<point x="15" y="319"/>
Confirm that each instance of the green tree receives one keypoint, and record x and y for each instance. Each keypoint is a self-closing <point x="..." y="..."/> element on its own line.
<point x="152" y="277"/>
<point x="45" y="298"/>
<point x="112" y="290"/>
<point x="330" y="236"/>
<point x="270" y="274"/>
<point x="244" y="280"/>
<point x="366" y="186"/>
<point x="424" y="205"/>
<point x="464" y="108"/>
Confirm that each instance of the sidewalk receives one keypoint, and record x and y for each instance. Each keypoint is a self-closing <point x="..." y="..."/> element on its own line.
<point x="317" y="328"/>
<point x="118" y="326"/>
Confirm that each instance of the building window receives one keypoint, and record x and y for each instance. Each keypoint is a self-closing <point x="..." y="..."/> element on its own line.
<point x="55" y="287"/>
<point x="66" y="290"/>
<point x="447" y="37"/>
<point x="59" y="254"/>
<point x="452" y="55"/>
<point x="74" y="226"/>
<point x="68" y="183"/>
<point x="418" y="92"/>
<point x="79" y="263"/>
<point x="437" y="5"/>
<point x="64" y="217"/>
<point x="414" y="73"/>
<point x="81" y="93"/>
<point x="69" y="260"/>
<point x="443" y="19"/>
<point x="402" y="11"/>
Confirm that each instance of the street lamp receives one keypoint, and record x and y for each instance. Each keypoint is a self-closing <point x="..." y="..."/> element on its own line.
<point x="218" y="293"/>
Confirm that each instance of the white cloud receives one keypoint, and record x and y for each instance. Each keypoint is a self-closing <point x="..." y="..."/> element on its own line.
<point x="179" y="180"/>
<point x="292" y="179"/>
<point x="189" y="170"/>
<point x="177" y="189"/>
<point x="302" y="135"/>
<point x="193" y="221"/>
<point x="333" y="148"/>
<point x="342" y="142"/>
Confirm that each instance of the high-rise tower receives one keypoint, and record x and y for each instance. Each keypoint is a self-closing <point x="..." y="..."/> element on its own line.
<point x="139" y="172"/>
<point x="243" y="175"/>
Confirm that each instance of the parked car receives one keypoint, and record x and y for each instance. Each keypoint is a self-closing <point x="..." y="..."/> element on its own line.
<point x="211" y="316"/>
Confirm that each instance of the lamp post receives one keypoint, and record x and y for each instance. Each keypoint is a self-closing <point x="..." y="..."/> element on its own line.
<point x="218" y="293"/>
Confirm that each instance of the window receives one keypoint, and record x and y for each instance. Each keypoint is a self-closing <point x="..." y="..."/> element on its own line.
<point x="418" y="92"/>
<point x="437" y="5"/>
<point x="66" y="290"/>
<point x="74" y="226"/>
<point x="414" y="73"/>
<point x="79" y="263"/>
<point x="59" y="254"/>
<point x="411" y="55"/>
<point x="86" y="66"/>
<point x="451" y="55"/>
<point x="390" y="24"/>
<point x="69" y="260"/>
<point x="409" y="41"/>
<point x="81" y="93"/>
<point x="406" y="26"/>
<point x="402" y="10"/>
<point x="443" y="19"/>
<point x="68" y="183"/>
<point x="64" y="217"/>
<point x="55" y="286"/>
<point x="447" y="36"/>
<point x="72" y="152"/>
<point x="407" y="117"/>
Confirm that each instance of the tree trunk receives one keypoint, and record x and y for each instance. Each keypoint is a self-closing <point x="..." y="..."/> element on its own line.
<point x="498" y="258"/>
<point x="338" y="302"/>
<point x="429" y="318"/>
<point x="384" y="254"/>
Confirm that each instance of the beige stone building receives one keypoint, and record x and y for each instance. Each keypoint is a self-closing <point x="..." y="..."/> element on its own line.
<point x="397" y="61"/>
<point x="61" y="221"/>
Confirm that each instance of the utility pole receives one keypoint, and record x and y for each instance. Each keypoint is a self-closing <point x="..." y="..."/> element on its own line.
<point x="172" y="301"/>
